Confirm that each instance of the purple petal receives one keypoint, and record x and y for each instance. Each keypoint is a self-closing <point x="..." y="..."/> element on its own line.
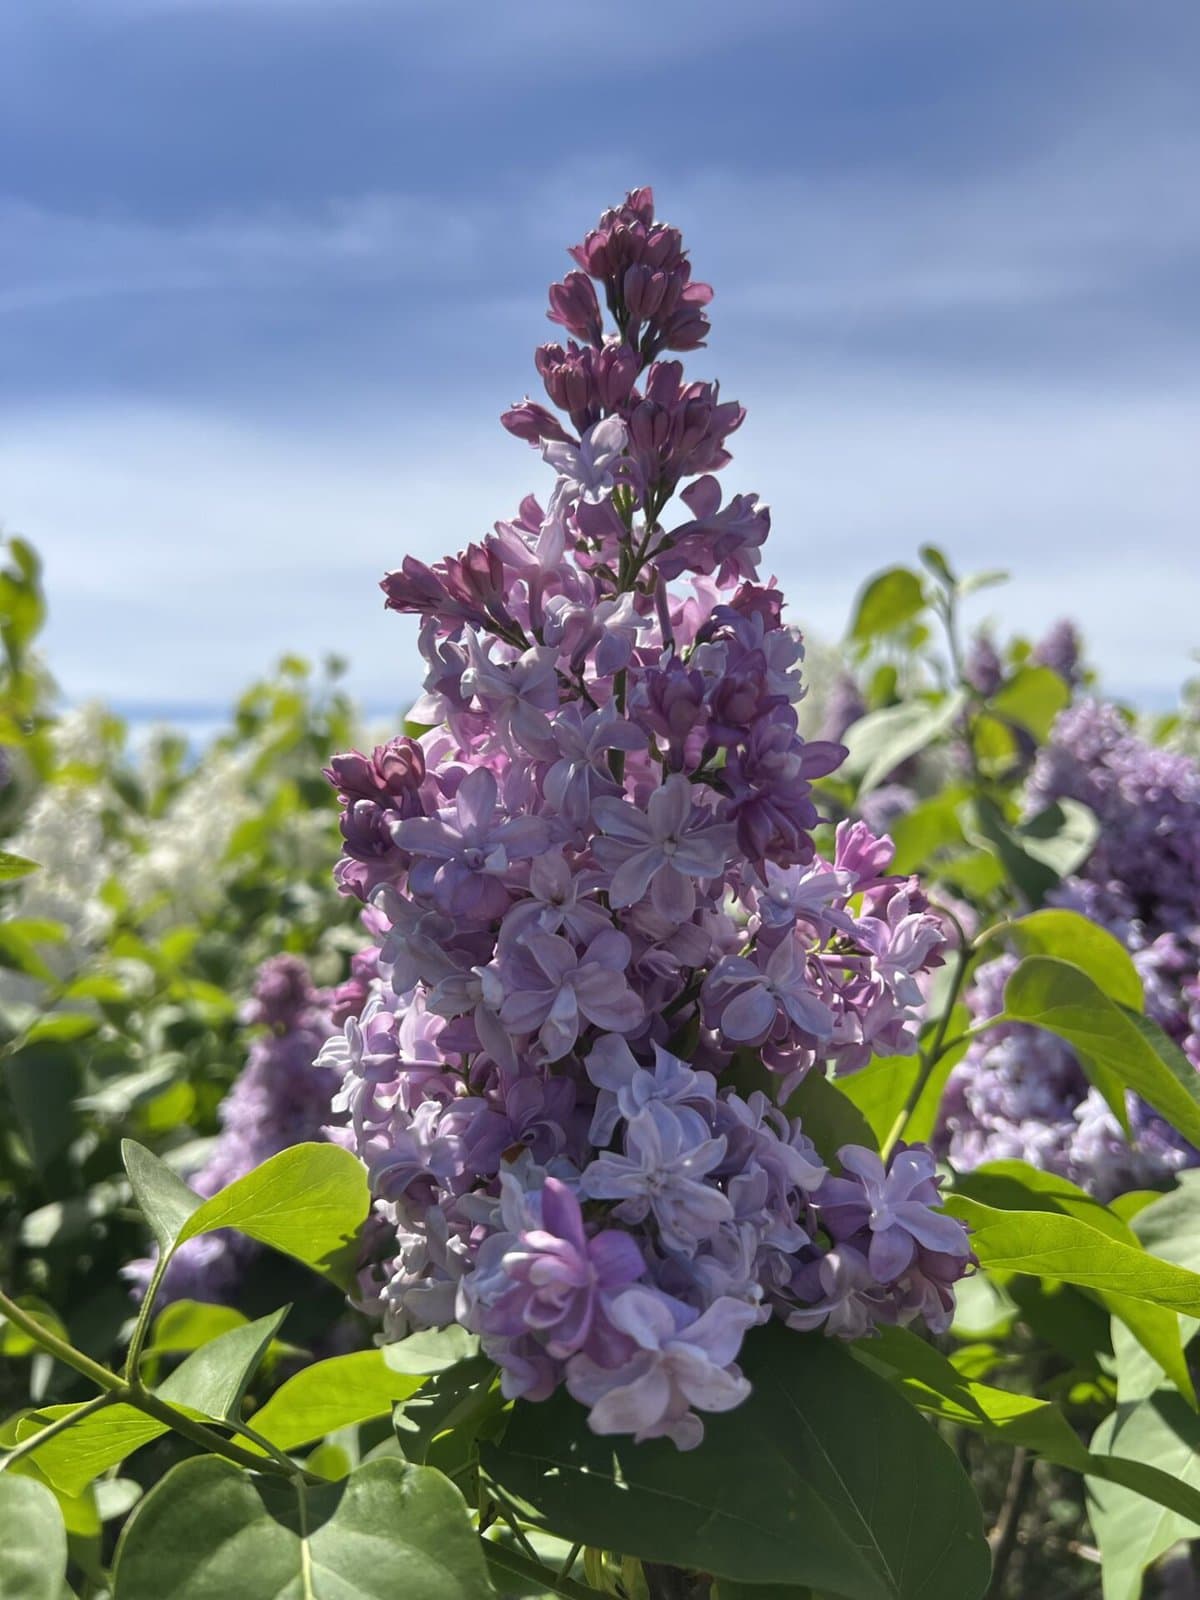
<point x="633" y="877"/>
<point x="672" y="894"/>
<point x="670" y="807"/>
<point x="892" y="1250"/>
<point x="616" y="1258"/>
<point x="621" y="821"/>
<point x="475" y="801"/>
<point x="749" y="1016"/>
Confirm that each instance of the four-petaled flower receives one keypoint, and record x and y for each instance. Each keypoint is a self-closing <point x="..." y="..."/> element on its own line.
<point x="553" y="990"/>
<point x="661" y="850"/>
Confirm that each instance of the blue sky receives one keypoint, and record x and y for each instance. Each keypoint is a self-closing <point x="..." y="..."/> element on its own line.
<point x="269" y="270"/>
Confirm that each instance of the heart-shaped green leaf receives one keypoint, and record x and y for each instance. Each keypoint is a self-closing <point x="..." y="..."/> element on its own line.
<point x="33" y="1540"/>
<point x="209" y="1531"/>
<point x="825" y="1476"/>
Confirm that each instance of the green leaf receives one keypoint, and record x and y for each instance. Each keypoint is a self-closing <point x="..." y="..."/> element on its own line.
<point x="214" y="1378"/>
<point x="1077" y="939"/>
<point x="33" y="1541"/>
<point x="932" y="1383"/>
<point x="974" y="581"/>
<point x="309" y="1202"/>
<point x="828" y="1115"/>
<point x="932" y="826"/>
<point x="431" y="1350"/>
<point x="984" y="823"/>
<point x="983" y="1308"/>
<point x="330" y="1395"/>
<point x="1164" y="1434"/>
<point x="42" y="1081"/>
<point x="71" y="1460"/>
<point x="879" y="742"/>
<point x="440" y="1426"/>
<point x="880" y="1090"/>
<point x="209" y="1531"/>
<point x="162" y="1197"/>
<point x="1066" y="1250"/>
<point x="19" y="952"/>
<point x="1014" y="1185"/>
<point x="1111" y="1042"/>
<point x="185" y="1325"/>
<point x="935" y="560"/>
<point x="14" y="1341"/>
<point x="809" y="1499"/>
<point x="14" y="866"/>
<point x="1169" y="1228"/>
<point x="886" y="603"/>
<point x="1061" y="837"/>
<point x="62" y="1027"/>
<point x="1032" y="698"/>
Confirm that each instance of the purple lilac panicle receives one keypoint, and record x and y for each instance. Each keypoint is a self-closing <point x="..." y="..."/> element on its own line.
<point x="1022" y="1093"/>
<point x="601" y="854"/>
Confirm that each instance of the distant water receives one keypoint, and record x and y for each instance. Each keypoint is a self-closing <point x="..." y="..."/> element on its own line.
<point x="200" y="724"/>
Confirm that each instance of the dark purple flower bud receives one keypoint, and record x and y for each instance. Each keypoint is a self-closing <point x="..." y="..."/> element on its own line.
<point x="752" y="600"/>
<point x="648" y="293"/>
<point x="587" y="383"/>
<point x="739" y="698"/>
<point x="375" y="791"/>
<point x="678" y="430"/>
<point x="573" y="304"/>
<point x="844" y="705"/>
<point x="770" y="782"/>
<point x="348" y="999"/>
<point x="687" y="327"/>
<point x="470" y="587"/>
<point x="534" y="423"/>
<point x="391" y="775"/>
<point x="671" y="704"/>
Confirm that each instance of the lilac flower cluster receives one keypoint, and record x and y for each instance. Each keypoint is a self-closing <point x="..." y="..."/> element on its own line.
<point x="281" y="1098"/>
<point x="598" y="901"/>
<point x="1021" y="1093"/>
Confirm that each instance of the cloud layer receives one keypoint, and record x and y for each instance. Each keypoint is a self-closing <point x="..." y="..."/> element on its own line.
<point x="273" y="266"/>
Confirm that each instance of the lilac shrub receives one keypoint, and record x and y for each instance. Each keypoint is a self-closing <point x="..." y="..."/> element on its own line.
<point x="598" y="903"/>
<point x="281" y="1098"/>
<point x="1022" y="1093"/>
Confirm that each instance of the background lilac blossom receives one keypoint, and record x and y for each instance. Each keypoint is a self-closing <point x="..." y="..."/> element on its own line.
<point x="596" y="891"/>
<point x="281" y="1098"/>
<point x="1021" y="1093"/>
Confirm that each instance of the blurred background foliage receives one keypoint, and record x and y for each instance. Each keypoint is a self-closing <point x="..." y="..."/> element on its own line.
<point x="142" y="887"/>
<point x="144" y="882"/>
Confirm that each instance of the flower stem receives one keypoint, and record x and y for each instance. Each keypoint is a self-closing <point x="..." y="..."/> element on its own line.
<point x="117" y="1389"/>
<point x="512" y="1561"/>
<point x="930" y="1058"/>
<point x="59" y="1425"/>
